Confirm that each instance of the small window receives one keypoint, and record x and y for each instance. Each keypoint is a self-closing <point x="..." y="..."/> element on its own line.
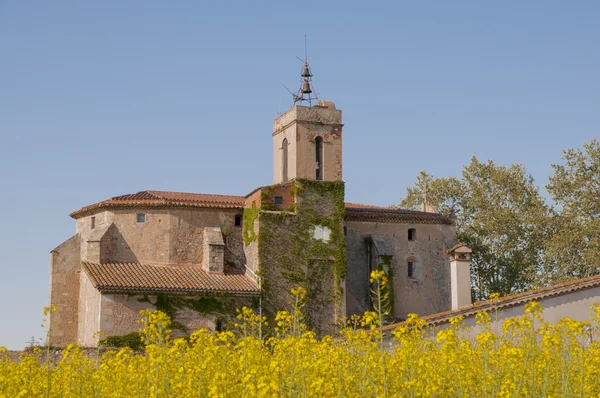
<point x="411" y="269"/>
<point x="141" y="218"/>
<point x="93" y="224"/>
<point x="319" y="158"/>
<point x="284" y="160"/>
<point x="238" y="220"/>
<point x="412" y="234"/>
<point x="278" y="200"/>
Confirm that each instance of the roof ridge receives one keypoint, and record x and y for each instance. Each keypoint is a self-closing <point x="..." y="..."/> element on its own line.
<point x="147" y="192"/>
<point x="155" y="192"/>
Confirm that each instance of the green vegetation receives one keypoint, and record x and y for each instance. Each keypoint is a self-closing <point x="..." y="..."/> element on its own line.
<point x="250" y="215"/>
<point x="388" y="289"/>
<point x="289" y="254"/>
<point x="131" y="340"/>
<point x="520" y="240"/>
<point x="169" y="304"/>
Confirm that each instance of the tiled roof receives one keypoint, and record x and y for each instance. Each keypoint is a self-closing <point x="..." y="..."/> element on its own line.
<point x="511" y="301"/>
<point x="166" y="199"/>
<point x="181" y="279"/>
<point x="358" y="212"/>
<point x="363" y="206"/>
<point x="354" y="211"/>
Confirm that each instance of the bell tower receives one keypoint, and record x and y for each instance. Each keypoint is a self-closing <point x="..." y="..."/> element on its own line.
<point x="307" y="140"/>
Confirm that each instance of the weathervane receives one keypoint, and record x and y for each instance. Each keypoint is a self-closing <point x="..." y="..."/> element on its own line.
<point x="305" y="93"/>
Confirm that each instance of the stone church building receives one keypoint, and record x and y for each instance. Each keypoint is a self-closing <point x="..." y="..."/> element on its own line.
<point x="198" y="257"/>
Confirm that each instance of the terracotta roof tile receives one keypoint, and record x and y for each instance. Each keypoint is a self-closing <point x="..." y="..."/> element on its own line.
<point x="510" y="301"/>
<point x="354" y="211"/>
<point x="183" y="197"/>
<point x="165" y="199"/>
<point x="363" y="206"/>
<point x="358" y="212"/>
<point x="182" y="279"/>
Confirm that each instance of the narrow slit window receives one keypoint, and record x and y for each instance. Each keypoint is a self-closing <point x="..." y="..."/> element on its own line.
<point x="141" y="218"/>
<point x="93" y="223"/>
<point x="412" y="234"/>
<point x="411" y="269"/>
<point x="319" y="158"/>
<point x="284" y="160"/>
<point x="238" y="220"/>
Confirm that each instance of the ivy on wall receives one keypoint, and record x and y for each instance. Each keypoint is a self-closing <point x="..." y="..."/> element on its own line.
<point x="290" y="256"/>
<point x="220" y="305"/>
<point x="386" y="266"/>
<point x="250" y="215"/>
<point x="217" y="304"/>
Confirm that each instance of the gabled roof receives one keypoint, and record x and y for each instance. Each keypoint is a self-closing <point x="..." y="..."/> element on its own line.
<point x="175" y="279"/>
<point x="354" y="211"/>
<point x="514" y="300"/>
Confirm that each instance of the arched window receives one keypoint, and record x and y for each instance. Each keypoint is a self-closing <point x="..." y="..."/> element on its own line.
<point x="319" y="157"/>
<point x="284" y="160"/>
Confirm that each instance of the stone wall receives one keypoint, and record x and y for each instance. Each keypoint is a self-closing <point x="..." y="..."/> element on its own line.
<point x="332" y="150"/>
<point x="168" y="236"/>
<point x="119" y="314"/>
<point x="90" y="307"/>
<point x="64" y="292"/>
<point x="427" y="292"/>
<point x="301" y="125"/>
<point x="292" y="253"/>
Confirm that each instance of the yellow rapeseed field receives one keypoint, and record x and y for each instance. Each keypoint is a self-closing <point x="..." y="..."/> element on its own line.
<point x="561" y="360"/>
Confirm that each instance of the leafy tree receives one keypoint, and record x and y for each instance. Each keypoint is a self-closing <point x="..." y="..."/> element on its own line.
<point x="573" y="248"/>
<point x="499" y="214"/>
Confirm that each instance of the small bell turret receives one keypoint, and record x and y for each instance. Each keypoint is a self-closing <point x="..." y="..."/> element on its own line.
<point x="306" y="92"/>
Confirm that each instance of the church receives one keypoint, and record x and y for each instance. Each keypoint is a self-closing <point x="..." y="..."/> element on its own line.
<point x="200" y="256"/>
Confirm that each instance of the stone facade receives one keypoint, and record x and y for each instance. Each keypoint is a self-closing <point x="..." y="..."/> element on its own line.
<point x="298" y="232"/>
<point x="64" y="290"/>
<point x="300" y="126"/>
<point x="426" y="291"/>
<point x="167" y="236"/>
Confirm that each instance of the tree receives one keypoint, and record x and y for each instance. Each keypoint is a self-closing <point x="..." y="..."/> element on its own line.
<point x="573" y="248"/>
<point x="499" y="214"/>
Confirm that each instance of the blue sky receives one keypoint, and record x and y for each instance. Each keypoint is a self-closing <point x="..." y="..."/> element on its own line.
<point x="104" y="98"/>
